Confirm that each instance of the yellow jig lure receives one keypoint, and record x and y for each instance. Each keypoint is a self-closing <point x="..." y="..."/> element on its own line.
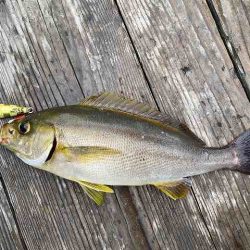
<point x="9" y="110"/>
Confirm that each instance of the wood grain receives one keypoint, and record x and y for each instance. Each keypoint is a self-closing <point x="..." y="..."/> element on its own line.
<point x="55" y="52"/>
<point x="191" y="76"/>
<point x="37" y="70"/>
<point x="235" y="21"/>
<point x="10" y="237"/>
<point x="125" y="78"/>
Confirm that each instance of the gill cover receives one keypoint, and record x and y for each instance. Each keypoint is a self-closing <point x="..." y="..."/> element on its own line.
<point x="30" y="139"/>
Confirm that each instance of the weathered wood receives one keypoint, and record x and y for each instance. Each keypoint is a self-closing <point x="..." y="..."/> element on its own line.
<point x="36" y="70"/>
<point x="36" y="66"/>
<point x="191" y="76"/>
<point x="55" y="52"/>
<point x="234" y="18"/>
<point x="9" y="235"/>
<point x="52" y="52"/>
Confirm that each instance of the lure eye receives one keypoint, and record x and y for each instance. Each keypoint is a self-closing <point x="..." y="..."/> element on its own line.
<point x="24" y="127"/>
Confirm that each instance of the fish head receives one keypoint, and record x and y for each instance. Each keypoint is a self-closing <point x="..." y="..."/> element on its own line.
<point x="32" y="140"/>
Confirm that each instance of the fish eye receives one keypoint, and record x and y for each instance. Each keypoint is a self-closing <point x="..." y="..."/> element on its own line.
<point x="24" y="127"/>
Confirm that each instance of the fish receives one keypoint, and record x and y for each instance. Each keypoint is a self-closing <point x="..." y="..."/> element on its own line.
<point x="108" y="140"/>
<point x="10" y="110"/>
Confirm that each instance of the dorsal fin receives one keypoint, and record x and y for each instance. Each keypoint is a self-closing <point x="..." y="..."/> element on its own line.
<point x="111" y="101"/>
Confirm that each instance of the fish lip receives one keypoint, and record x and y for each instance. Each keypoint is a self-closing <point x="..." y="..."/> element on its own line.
<point x="4" y="140"/>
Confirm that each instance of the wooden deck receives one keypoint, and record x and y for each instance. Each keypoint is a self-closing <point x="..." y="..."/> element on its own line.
<point x="190" y="59"/>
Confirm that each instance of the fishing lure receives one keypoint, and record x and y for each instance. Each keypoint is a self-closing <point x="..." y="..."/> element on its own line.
<point x="10" y="110"/>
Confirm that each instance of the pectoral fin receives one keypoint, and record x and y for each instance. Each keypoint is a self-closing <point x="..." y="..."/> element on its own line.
<point x="87" y="154"/>
<point x="176" y="189"/>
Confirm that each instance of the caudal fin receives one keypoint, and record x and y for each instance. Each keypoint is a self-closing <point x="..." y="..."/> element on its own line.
<point x="242" y="149"/>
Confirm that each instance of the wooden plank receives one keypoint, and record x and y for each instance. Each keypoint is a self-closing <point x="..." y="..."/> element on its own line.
<point x="234" y="16"/>
<point x="52" y="53"/>
<point x="36" y="69"/>
<point x="191" y="77"/>
<point x="10" y="238"/>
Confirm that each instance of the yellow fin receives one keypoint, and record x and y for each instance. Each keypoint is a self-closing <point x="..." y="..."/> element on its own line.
<point x="97" y="187"/>
<point x="176" y="189"/>
<point x="95" y="191"/>
<point x="111" y="101"/>
<point x="86" y="154"/>
<point x="97" y="197"/>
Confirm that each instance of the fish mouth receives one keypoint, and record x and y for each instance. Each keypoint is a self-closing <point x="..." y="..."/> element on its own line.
<point x="4" y="141"/>
<point x="52" y="150"/>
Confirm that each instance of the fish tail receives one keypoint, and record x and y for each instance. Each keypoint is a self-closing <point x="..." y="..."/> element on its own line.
<point x="241" y="147"/>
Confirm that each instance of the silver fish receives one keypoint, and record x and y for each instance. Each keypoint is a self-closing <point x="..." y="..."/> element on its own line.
<point x="110" y="140"/>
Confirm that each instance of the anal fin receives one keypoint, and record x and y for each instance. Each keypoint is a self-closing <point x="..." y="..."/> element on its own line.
<point x="175" y="189"/>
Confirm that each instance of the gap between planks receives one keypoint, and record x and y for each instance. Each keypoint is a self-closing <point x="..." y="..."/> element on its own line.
<point x="239" y="68"/>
